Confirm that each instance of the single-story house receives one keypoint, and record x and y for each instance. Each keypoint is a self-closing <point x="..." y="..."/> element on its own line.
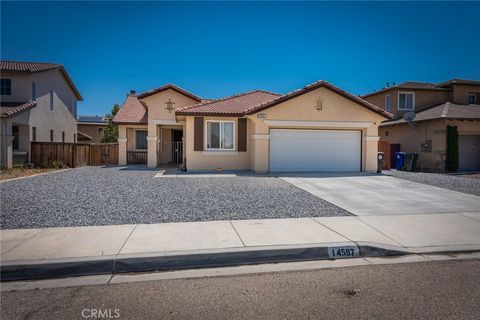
<point x="316" y="128"/>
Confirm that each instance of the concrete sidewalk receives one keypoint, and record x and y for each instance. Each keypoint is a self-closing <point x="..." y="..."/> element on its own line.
<point x="57" y="252"/>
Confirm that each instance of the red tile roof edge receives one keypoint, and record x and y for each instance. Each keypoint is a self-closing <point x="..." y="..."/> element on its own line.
<point x="166" y="87"/>
<point x="13" y="110"/>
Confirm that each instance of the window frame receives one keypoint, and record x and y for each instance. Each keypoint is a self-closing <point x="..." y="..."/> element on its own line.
<point x="389" y="96"/>
<point x="51" y="100"/>
<point x="34" y="91"/>
<point x="34" y="134"/>
<point x="10" y="94"/>
<point x="234" y="135"/>
<point x="475" y="97"/>
<point x="413" y="101"/>
<point x="146" y="141"/>
<point x="100" y="130"/>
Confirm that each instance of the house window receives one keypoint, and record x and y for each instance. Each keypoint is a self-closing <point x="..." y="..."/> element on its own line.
<point x="34" y="134"/>
<point x="406" y="101"/>
<point x="141" y="139"/>
<point x="74" y="137"/>
<point x="472" y="98"/>
<point x="63" y="136"/>
<point x="388" y="103"/>
<point x="51" y="100"/>
<point x="99" y="131"/>
<point x="220" y="135"/>
<point x="15" y="137"/>
<point x="6" y="87"/>
<point x="34" y="91"/>
<point x="51" y="135"/>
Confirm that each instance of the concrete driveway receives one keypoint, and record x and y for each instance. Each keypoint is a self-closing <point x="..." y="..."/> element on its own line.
<point x="368" y="194"/>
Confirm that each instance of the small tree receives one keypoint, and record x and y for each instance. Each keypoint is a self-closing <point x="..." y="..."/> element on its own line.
<point x="110" y="133"/>
<point x="451" y="163"/>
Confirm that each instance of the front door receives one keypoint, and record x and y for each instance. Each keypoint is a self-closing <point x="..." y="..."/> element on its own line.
<point x="177" y="146"/>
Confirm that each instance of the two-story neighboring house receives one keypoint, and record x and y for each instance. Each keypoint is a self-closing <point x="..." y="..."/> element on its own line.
<point x="38" y="103"/>
<point x="454" y="102"/>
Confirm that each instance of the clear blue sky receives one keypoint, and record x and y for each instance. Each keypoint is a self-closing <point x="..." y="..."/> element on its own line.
<point x="217" y="49"/>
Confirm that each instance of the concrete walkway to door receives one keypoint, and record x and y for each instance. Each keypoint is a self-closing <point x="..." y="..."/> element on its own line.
<point x="370" y="194"/>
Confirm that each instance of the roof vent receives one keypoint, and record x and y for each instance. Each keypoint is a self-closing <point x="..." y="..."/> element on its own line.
<point x="132" y="92"/>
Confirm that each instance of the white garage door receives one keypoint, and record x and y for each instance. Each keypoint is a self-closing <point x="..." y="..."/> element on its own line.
<point x="314" y="150"/>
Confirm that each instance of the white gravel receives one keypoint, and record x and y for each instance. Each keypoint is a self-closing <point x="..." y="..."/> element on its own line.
<point x="448" y="181"/>
<point x="106" y="196"/>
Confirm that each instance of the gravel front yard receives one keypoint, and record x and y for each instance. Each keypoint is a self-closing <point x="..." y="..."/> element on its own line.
<point x="106" y="196"/>
<point x="463" y="184"/>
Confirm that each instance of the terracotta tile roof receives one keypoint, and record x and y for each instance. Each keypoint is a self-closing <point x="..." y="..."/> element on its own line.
<point x="131" y="112"/>
<point x="27" y="66"/>
<point x="166" y="87"/>
<point x="8" y="109"/>
<point x="445" y="110"/>
<point x="312" y="87"/>
<point x="459" y="81"/>
<point x="235" y="105"/>
<point x="6" y="65"/>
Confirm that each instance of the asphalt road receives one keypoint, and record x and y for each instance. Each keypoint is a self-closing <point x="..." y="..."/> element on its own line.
<point x="428" y="290"/>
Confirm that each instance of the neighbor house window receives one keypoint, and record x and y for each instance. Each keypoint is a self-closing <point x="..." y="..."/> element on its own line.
<point x="220" y="135"/>
<point x="15" y="137"/>
<point x="6" y="87"/>
<point x="34" y="91"/>
<point x="51" y="135"/>
<point x="99" y="131"/>
<point x="141" y="139"/>
<point x="63" y="136"/>
<point x="34" y="134"/>
<point x="406" y="101"/>
<point x="388" y="103"/>
<point x="51" y="100"/>
<point x="472" y="98"/>
<point x="74" y="137"/>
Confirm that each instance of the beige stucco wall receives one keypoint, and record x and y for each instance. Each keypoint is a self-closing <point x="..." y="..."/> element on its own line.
<point x="410" y="139"/>
<point x="92" y="131"/>
<point x="156" y="111"/>
<point x="338" y="113"/>
<point x="460" y="93"/>
<point x="212" y="160"/>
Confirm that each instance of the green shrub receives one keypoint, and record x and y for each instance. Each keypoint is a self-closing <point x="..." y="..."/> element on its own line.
<point x="451" y="163"/>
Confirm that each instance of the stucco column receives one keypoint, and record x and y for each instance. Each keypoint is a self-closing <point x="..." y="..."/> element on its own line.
<point x="122" y="145"/>
<point x="260" y="149"/>
<point x="371" y="150"/>
<point x="6" y="144"/>
<point x="152" y="152"/>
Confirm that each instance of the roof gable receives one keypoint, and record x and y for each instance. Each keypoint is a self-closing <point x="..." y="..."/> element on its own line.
<point x="166" y="87"/>
<point x="314" y="86"/>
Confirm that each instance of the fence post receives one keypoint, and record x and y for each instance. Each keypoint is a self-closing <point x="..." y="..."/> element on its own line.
<point x="74" y="154"/>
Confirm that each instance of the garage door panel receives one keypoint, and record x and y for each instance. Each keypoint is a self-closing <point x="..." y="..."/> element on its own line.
<point x="314" y="150"/>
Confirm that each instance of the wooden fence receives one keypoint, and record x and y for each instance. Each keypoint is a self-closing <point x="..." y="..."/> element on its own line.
<point x="73" y="154"/>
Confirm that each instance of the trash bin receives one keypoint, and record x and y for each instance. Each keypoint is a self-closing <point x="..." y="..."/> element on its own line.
<point x="399" y="160"/>
<point x="410" y="161"/>
<point x="380" y="159"/>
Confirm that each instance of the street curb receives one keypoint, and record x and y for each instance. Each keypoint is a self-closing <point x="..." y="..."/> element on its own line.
<point x="60" y="268"/>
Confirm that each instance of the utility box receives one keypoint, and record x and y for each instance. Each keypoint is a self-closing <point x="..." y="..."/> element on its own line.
<point x="399" y="160"/>
<point x="380" y="160"/>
